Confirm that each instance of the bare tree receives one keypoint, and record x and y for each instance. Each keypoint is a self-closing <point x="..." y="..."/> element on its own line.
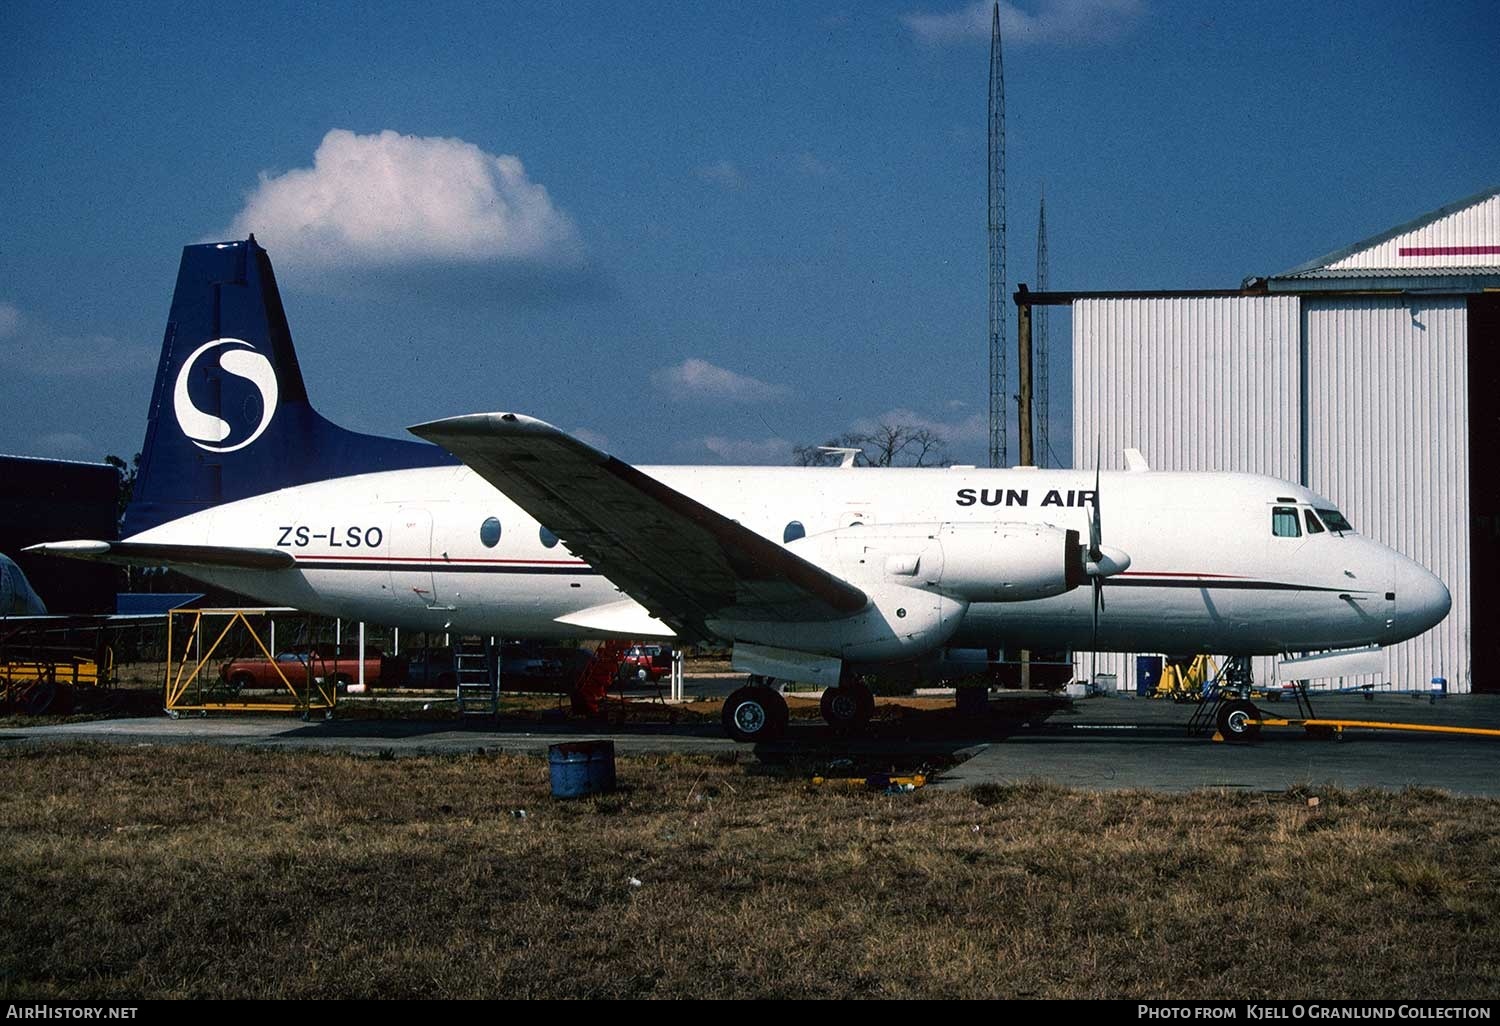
<point x="887" y="445"/>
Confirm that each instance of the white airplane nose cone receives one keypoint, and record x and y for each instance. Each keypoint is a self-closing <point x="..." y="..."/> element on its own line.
<point x="1422" y="600"/>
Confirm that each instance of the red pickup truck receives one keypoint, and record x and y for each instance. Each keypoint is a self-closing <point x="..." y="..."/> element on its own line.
<point x="646" y="663"/>
<point x="326" y="665"/>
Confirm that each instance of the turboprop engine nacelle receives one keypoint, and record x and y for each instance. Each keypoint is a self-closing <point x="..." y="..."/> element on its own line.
<point x="895" y="565"/>
<point x="1009" y="562"/>
<point x="900" y="622"/>
<point x="990" y="562"/>
<point x="968" y="561"/>
<point x="920" y="579"/>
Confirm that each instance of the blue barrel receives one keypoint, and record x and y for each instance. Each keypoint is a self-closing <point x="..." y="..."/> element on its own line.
<point x="1147" y="675"/>
<point x="581" y="768"/>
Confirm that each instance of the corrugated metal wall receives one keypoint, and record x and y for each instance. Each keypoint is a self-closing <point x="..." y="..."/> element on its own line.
<point x="1387" y="393"/>
<point x="1195" y="384"/>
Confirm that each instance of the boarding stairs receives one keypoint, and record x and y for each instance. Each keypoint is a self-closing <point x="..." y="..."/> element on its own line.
<point x="589" y="692"/>
<point x="476" y="668"/>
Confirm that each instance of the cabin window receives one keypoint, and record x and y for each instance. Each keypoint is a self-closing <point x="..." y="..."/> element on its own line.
<point x="1284" y="522"/>
<point x="549" y="540"/>
<point x="489" y="533"/>
<point x="1335" y="521"/>
<point x="793" y="531"/>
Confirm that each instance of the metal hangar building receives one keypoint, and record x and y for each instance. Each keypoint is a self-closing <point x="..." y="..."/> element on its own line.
<point x="1367" y="375"/>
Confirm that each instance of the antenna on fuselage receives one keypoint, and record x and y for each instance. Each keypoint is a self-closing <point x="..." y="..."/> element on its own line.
<point x="847" y="456"/>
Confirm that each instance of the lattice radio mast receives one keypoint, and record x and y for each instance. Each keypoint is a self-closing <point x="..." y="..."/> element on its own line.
<point x="998" y="432"/>
<point x="1041" y="358"/>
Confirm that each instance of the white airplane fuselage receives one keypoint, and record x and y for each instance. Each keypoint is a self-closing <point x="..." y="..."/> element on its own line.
<point x="1207" y="573"/>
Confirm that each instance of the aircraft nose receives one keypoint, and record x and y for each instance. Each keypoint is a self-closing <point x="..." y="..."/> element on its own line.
<point x="1422" y="599"/>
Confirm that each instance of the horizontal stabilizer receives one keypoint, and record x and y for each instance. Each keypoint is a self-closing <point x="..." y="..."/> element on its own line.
<point x="162" y="554"/>
<point x="683" y="562"/>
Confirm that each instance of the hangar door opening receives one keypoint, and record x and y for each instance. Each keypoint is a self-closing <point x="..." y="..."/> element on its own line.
<point x="1484" y="486"/>
<point x="1387" y="408"/>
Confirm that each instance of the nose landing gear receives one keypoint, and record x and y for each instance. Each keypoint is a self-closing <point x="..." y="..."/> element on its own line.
<point x="1238" y="721"/>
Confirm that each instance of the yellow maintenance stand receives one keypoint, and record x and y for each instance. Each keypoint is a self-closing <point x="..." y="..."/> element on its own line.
<point x="1184" y="680"/>
<point x="193" y="680"/>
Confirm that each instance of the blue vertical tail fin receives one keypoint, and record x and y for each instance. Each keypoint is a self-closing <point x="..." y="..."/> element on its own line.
<point x="230" y="417"/>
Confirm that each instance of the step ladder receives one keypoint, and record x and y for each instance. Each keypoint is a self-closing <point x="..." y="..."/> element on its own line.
<point x="476" y="668"/>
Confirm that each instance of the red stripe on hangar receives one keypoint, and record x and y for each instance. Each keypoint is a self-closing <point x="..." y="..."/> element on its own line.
<point x="1421" y="251"/>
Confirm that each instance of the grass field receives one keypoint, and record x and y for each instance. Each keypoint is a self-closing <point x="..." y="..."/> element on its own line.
<point x="221" y="872"/>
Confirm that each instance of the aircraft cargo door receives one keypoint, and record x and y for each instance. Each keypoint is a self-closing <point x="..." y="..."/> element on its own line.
<point x="409" y="550"/>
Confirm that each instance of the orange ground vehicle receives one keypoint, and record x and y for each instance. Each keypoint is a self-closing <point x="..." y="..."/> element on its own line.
<point x="326" y="663"/>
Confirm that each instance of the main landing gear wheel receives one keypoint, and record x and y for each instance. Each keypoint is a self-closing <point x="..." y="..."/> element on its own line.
<point x="1238" y="721"/>
<point x="848" y="707"/>
<point x="755" y="714"/>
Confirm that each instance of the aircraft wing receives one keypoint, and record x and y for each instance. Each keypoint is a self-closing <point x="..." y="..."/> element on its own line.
<point x="681" y="560"/>
<point x="165" y="554"/>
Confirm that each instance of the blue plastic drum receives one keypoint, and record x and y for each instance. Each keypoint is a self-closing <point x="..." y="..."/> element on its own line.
<point x="582" y="768"/>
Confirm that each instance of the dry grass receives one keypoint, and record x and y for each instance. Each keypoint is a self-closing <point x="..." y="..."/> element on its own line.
<point x="216" y="872"/>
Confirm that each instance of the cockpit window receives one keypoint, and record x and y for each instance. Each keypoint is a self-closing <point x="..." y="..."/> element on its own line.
<point x="1335" y="521"/>
<point x="1284" y="522"/>
<point x="1314" y="526"/>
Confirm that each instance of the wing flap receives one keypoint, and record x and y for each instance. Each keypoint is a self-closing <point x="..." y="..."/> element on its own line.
<point x="684" y="562"/>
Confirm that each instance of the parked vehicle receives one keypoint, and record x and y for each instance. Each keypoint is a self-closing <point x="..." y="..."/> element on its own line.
<point x="524" y="665"/>
<point x="646" y="663"/>
<point x="429" y="669"/>
<point x="326" y="663"/>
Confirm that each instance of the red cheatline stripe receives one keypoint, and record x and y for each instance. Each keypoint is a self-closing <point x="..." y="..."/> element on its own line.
<point x="439" y="559"/>
<point x="1449" y="250"/>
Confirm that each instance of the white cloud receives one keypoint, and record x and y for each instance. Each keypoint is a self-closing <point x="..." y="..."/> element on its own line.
<point x="386" y="199"/>
<point x="700" y="379"/>
<point x="749" y="450"/>
<point x="722" y="173"/>
<point x="10" y="320"/>
<point x="1055" y="21"/>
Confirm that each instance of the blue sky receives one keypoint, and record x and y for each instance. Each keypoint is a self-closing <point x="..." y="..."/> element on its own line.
<point x="721" y="230"/>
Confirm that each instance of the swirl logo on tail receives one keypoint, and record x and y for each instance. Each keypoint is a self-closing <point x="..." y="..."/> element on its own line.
<point x="205" y="430"/>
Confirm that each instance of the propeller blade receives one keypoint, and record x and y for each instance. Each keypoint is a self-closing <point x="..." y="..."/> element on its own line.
<point x="1095" y="554"/>
<point x="1095" y="527"/>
